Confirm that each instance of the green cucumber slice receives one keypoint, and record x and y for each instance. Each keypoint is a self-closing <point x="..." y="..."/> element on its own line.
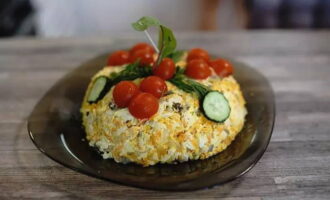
<point x="98" y="89"/>
<point x="216" y="106"/>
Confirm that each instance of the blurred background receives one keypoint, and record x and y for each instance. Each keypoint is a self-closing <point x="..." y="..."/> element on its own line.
<point x="61" y="18"/>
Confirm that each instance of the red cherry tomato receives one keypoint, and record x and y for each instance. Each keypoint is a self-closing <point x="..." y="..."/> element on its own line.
<point x="154" y="85"/>
<point x="118" y="58"/>
<point x="165" y="69"/>
<point x="222" y="67"/>
<point x="123" y="92"/>
<point x="140" y="46"/>
<point x="145" y="56"/>
<point x="198" y="53"/>
<point x="143" y="106"/>
<point x="198" y="69"/>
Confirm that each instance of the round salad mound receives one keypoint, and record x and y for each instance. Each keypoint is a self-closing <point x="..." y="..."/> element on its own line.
<point x="178" y="132"/>
<point x="154" y="105"/>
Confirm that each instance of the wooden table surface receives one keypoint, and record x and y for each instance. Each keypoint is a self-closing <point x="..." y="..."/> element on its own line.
<point x="296" y="164"/>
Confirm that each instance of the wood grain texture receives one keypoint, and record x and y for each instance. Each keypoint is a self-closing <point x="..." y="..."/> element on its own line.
<point x="296" y="164"/>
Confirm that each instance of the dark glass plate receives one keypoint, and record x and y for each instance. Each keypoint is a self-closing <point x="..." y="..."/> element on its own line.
<point x="55" y="128"/>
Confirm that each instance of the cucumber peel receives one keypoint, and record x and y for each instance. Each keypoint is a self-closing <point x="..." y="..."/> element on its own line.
<point x="98" y="89"/>
<point x="215" y="106"/>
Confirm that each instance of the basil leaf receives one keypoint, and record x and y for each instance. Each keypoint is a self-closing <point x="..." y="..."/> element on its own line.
<point x="176" y="56"/>
<point x="166" y="42"/>
<point x="144" y="23"/>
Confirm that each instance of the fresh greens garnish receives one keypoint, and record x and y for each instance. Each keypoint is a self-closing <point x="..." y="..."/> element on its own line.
<point x="188" y="85"/>
<point x="166" y="43"/>
<point x="103" y="84"/>
<point x="131" y="72"/>
<point x="144" y="23"/>
<point x="176" y="55"/>
<point x="166" y="40"/>
<point x="214" y="104"/>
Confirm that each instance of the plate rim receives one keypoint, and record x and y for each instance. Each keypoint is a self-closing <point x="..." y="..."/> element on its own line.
<point x="95" y="175"/>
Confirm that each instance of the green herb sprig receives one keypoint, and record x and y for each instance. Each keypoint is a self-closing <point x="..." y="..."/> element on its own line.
<point x="166" y="38"/>
<point x="188" y="85"/>
<point x="131" y="72"/>
<point x="166" y="46"/>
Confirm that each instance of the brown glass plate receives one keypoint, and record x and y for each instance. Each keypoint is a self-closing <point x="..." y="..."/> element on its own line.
<point x="55" y="128"/>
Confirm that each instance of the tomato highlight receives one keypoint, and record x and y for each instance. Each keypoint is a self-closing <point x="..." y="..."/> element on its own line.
<point x="118" y="58"/>
<point x="198" y="53"/>
<point x="222" y="67"/>
<point x="143" y="106"/>
<point x="123" y="92"/>
<point x="145" y="57"/>
<point x="198" y="69"/>
<point x="165" y="69"/>
<point x="154" y="85"/>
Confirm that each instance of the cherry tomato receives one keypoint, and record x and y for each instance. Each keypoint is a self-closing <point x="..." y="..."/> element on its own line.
<point x="123" y="92"/>
<point x="198" y="53"/>
<point x="198" y="69"/>
<point x="140" y="46"/>
<point x="145" y="56"/>
<point x="154" y="85"/>
<point x="118" y="58"/>
<point x="165" y="69"/>
<point x="222" y="67"/>
<point x="143" y="105"/>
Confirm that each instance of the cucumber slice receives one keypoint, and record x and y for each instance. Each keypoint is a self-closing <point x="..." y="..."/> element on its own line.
<point x="216" y="106"/>
<point x="98" y="89"/>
